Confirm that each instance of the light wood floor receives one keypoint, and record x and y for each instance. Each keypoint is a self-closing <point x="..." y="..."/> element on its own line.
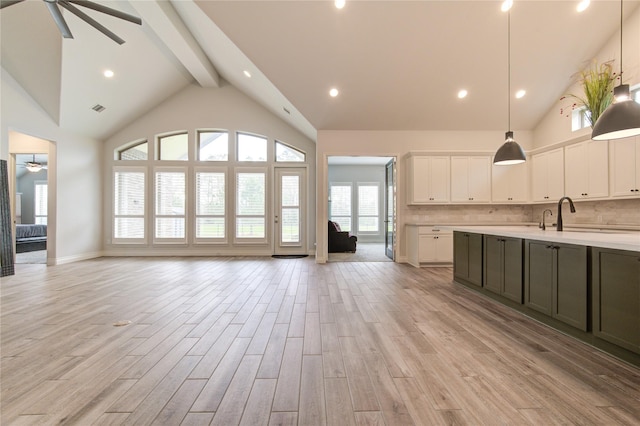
<point x="229" y="341"/>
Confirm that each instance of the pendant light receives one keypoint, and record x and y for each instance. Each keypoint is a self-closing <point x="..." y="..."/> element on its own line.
<point x="510" y="152"/>
<point x="622" y="118"/>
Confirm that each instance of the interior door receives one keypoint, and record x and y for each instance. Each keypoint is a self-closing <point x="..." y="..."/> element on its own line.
<point x="390" y="209"/>
<point x="289" y="216"/>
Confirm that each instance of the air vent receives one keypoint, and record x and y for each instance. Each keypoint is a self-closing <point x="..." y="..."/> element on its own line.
<point x="98" y="108"/>
<point x="286" y="110"/>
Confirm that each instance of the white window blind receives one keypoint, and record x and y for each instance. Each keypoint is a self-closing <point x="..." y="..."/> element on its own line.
<point x="250" y="205"/>
<point x="129" y="205"/>
<point x="170" y="205"/>
<point x="341" y="205"/>
<point x="41" y="194"/>
<point x="368" y="207"/>
<point x="210" y="205"/>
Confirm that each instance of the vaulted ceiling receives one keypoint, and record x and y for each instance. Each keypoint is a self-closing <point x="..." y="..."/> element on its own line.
<point x="397" y="64"/>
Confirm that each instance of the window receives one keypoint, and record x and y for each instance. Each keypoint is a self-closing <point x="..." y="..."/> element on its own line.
<point x="174" y="147"/>
<point x="340" y="210"/>
<point x="290" y="213"/>
<point x="138" y="151"/>
<point x="213" y="146"/>
<point x="250" y="205"/>
<point x="251" y="148"/>
<point x="580" y="119"/>
<point x="41" y="202"/>
<point x="129" y="204"/>
<point x="368" y="194"/>
<point x="170" y="205"/>
<point x="287" y="153"/>
<point x="210" y="204"/>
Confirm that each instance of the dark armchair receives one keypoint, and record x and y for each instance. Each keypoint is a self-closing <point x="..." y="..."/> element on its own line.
<point x="340" y="241"/>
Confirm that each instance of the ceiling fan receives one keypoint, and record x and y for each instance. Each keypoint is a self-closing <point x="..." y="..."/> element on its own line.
<point x="34" y="166"/>
<point x="69" y="5"/>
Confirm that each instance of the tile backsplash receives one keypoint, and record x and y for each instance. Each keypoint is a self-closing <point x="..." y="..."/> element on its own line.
<point x="607" y="212"/>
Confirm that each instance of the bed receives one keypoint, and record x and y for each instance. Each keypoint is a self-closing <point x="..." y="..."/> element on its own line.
<point x="30" y="237"/>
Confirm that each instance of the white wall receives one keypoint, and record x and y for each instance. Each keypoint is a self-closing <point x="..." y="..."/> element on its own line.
<point x="556" y="127"/>
<point x="204" y="108"/>
<point x="75" y="172"/>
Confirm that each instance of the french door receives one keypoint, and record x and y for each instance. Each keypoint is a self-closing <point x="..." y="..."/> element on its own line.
<point x="390" y="210"/>
<point x="290" y="215"/>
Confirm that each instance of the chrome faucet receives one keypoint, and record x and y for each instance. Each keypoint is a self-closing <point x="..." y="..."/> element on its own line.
<point x="542" y="225"/>
<point x="571" y="207"/>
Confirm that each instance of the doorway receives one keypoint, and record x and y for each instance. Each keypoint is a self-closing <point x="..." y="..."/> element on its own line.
<point x="362" y="202"/>
<point x="31" y="208"/>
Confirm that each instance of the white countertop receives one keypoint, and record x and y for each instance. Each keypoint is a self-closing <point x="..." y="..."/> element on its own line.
<point x="606" y="238"/>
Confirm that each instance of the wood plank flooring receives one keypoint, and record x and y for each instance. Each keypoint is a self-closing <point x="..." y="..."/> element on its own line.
<point x="261" y="341"/>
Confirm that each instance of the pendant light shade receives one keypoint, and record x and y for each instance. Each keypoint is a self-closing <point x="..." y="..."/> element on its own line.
<point x="510" y="152"/>
<point x="621" y="119"/>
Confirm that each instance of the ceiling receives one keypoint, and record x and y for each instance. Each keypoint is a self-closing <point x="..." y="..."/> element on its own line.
<point x="397" y="64"/>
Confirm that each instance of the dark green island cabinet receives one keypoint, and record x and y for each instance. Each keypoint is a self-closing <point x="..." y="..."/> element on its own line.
<point x="467" y="257"/>
<point x="556" y="281"/>
<point x="616" y="297"/>
<point x="502" y="265"/>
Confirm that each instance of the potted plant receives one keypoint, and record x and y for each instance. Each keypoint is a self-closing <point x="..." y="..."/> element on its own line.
<point x="597" y="84"/>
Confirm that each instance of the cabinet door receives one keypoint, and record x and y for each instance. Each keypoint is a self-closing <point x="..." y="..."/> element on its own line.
<point x="427" y="248"/>
<point x="439" y="179"/>
<point x="444" y="248"/>
<point x="493" y="263"/>
<point x="475" y="259"/>
<point x="461" y="255"/>
<point x="570" y="286"/>
<point x="418" y="178"/>
<point x="459" y="179"/>
<point x="555" y="174"/>
<point x="598" y="169"/>
<point x="625" y="162"/>
<point x="509" y="184"/>
<point x="616" y="297"/>
<point x="512" y="261"/>
<point x="539" y="271"/>
<point x="539" y="177"/>
<point x="480" y="179"/>
<point x="575" y="171"/>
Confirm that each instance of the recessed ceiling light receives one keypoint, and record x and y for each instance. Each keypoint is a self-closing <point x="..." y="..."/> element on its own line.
<point x="462" y="94"/>
<point x="340" y="3"/>
<point x="506" y="5"/>
<point x="520" y="93"/>
<point x="333" y="92"/>
<point x="247" y="74"/>
<point x="108" y="73"/>
<point x="583" y="5"/>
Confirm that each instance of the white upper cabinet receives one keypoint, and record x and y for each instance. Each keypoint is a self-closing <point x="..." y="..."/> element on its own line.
<point x="471" y="179"/>
<point x="428" y="179"/>
<point x="586" y="170"/>
<point x="625" y="167"/>
<point x="510" y="184"/>
<point x="548" y="175"/>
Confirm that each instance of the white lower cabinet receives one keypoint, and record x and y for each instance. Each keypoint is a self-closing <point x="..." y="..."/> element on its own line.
<point x="429" y="245"/>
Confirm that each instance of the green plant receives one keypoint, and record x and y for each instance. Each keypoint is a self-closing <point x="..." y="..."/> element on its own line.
<point x="597" y="84"/>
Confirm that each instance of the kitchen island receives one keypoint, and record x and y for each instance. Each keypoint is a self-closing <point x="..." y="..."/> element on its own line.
<point x="584" y="282"/>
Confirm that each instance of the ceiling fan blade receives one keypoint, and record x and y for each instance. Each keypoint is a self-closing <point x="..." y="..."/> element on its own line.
<point x="107" y="10"/>
<point x="89" y="20"/>
<point x="60" y="22"/>
<point x="7" y="3"/>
